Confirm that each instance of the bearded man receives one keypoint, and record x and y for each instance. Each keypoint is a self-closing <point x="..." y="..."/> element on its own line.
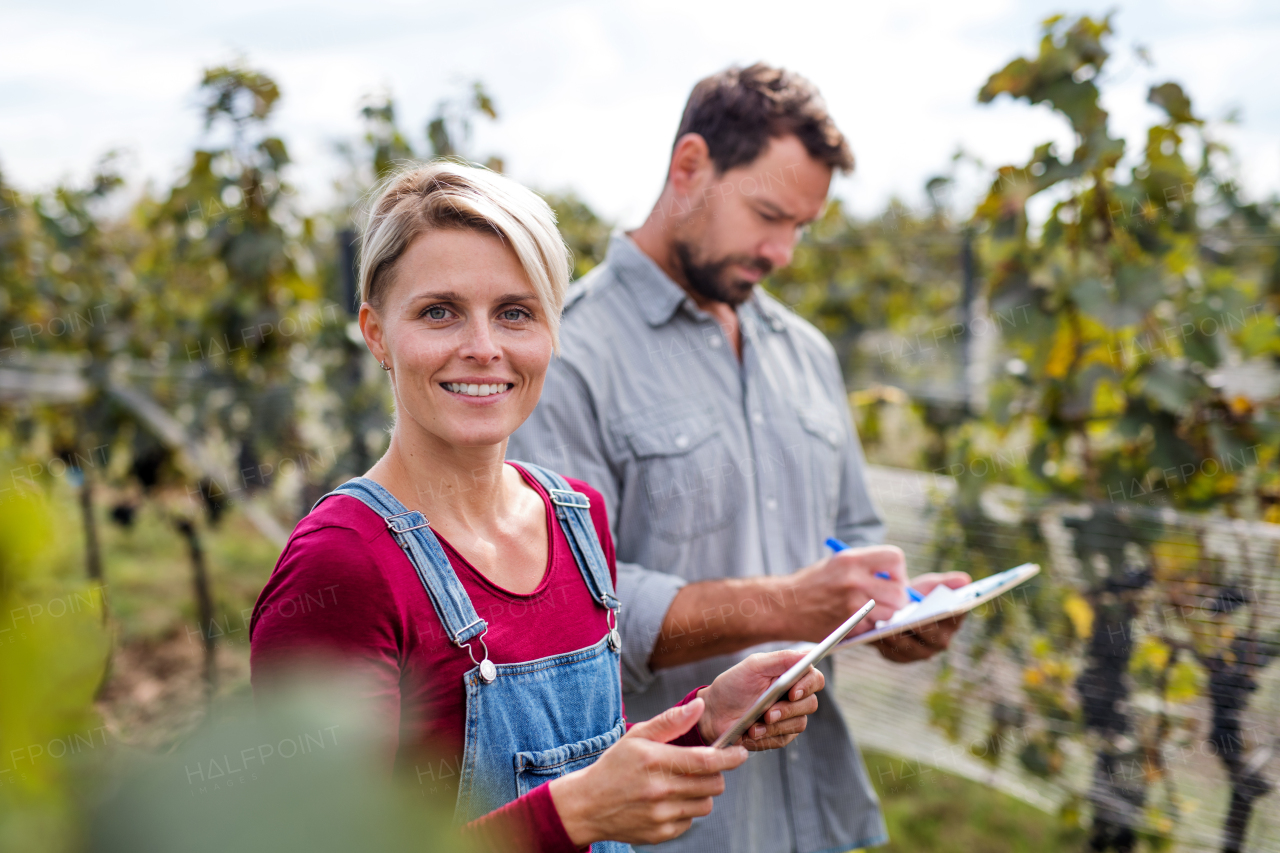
<point x="715" y="423"/>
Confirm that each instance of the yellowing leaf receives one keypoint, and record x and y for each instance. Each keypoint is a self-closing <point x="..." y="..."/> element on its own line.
<point x="1175" y="557"/>
<point x="1080" y="614"/>
<point x="1108" y="400"/>
<point x="1150" y="656"/>
<point x="1186" y="680"/>
<point x="1062" y="354"/>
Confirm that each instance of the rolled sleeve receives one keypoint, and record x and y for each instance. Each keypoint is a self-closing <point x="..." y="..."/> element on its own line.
<point x="646" y="597"/>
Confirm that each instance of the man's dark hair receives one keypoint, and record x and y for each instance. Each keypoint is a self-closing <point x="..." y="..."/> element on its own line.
<point x="738" y="110"/>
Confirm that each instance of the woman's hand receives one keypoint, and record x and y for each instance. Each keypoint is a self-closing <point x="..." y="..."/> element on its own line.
<point x="732" y="693"/>
<point x="642" y="790"/>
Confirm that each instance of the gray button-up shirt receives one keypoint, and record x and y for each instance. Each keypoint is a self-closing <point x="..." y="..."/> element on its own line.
<point x="713" y="468"/>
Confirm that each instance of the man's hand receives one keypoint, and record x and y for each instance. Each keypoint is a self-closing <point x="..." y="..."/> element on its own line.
<point x="820" y="597"/>
<point x="733" y="691"/>
<point x="927" y="641"/>
<point x="710" y="618"/>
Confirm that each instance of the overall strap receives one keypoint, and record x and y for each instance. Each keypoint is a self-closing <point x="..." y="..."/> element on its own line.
<point x="573" y="511"/>
<point x="409" y="529"/>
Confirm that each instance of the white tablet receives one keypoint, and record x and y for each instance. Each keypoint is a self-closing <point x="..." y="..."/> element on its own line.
<point x="788" y="679"/>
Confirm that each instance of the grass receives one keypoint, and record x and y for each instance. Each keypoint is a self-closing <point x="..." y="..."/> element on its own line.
<point x="148" y="569"/>
<point x="927" y="809"/>
<point x="154" y="695"/>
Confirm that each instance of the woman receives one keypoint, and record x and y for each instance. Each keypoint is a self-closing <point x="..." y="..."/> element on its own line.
<point x="477" y="594"/>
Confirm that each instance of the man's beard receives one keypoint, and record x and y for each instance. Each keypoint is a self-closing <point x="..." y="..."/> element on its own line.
<point x="711" y="280"/>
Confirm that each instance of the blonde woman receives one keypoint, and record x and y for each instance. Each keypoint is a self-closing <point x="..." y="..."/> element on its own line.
<point x="476" y="594"/>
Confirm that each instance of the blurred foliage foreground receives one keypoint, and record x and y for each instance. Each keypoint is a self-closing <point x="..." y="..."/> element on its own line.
<point x="181" y="377"/>
<point x="299" y="775"/>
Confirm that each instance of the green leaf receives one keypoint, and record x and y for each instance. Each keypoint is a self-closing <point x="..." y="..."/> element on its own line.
<point x="1169" y="389"/>
<point x="1170" y="98"/>
<point x="946" y="712"/>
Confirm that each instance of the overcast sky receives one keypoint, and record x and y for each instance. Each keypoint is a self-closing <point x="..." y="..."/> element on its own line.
<point x="590" y="92"/>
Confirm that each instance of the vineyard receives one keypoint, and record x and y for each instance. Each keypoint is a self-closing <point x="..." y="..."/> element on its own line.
<point x="181" y="377"/>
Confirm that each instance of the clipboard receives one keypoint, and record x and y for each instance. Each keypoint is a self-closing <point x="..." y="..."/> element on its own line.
<point x="943" y="603"/>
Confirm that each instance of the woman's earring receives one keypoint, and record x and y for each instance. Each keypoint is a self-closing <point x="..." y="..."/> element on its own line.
<point x="383" y="363"/>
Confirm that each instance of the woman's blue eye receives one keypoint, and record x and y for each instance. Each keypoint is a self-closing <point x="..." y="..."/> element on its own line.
<point x="514" y="315"/>
<point x="436" y="312"/>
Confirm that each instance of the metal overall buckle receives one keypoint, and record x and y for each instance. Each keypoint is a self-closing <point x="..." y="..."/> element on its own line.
<point x="395" y="527"/>
<point x="615" y="638"/>
<point x="488" y="671"/>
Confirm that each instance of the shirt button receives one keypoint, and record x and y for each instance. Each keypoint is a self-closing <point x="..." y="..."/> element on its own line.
<point x="757" y="418"/>
<point x="682" y="441"/>
<point x="834" y="436"/>
<point x="770" y="504"/>
<point x="715" y="341"/>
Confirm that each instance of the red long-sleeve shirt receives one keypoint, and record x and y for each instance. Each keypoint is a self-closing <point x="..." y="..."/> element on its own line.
<point x="345" y="587"/>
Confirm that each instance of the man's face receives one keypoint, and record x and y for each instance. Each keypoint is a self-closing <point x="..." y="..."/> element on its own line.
<point x="744" y="223"/>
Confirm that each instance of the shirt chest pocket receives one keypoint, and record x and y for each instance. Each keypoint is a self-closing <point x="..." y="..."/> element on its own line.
<point x="689" y="478"/>
<point x="824" y="439"/>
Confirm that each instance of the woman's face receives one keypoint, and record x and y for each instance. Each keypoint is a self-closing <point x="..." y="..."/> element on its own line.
<point x="461" y="329"/>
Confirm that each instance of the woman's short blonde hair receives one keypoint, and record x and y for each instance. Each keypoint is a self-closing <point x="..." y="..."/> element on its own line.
<point x="445" y="194"/>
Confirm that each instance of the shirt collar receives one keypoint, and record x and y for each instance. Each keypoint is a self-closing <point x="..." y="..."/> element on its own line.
<point x="660" y="297"/>
<point x="768" y="309"/>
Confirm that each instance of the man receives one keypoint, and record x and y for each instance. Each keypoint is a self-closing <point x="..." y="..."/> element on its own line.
<point x="715" y="424"/>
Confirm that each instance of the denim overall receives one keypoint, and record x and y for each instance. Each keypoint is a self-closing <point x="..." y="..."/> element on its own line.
<point x="529" y="722"/>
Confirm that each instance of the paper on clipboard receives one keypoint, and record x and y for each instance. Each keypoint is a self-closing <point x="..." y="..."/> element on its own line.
<point x="943" y="602"/>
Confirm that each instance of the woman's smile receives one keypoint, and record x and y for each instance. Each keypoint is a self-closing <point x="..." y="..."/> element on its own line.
<point x="479" y="390"/>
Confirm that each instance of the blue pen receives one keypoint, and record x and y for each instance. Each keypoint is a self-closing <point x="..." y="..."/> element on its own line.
<point x="837" y="546"/>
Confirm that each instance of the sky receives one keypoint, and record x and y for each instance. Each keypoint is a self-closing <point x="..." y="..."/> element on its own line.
<point x="590" y="93"/>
